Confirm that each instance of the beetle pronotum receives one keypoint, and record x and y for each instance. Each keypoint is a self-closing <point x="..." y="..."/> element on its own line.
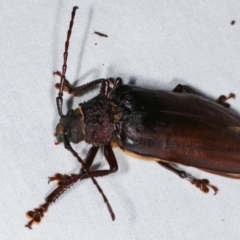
<point x="150" y="123"/>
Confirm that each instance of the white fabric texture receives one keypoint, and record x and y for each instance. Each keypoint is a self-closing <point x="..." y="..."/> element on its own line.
<point x="157" y="44"/>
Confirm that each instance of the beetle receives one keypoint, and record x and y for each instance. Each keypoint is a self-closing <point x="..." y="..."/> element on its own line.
<point x="177" y="127"/>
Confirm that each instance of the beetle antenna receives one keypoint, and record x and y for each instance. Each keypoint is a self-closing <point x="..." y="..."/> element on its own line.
<point x="59" y="99"/>
<point x="69" y="147"/>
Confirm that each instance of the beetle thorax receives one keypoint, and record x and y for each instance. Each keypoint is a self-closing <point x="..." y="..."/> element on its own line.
<point x="98" y="120"/>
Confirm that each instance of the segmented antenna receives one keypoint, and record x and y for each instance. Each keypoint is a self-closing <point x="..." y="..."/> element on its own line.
<point x="59" y="99"/>
<point x="37" y="214"/>
<point x="69" y="147"/>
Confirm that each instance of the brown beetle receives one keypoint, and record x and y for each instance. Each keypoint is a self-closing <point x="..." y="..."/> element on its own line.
<point x="171" y="127"/>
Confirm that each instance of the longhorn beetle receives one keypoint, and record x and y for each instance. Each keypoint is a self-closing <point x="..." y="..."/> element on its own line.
<point x="171" y="127"/>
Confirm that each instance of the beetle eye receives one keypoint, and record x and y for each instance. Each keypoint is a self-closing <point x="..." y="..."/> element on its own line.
<point x="70" y="113"/>
<point x="72" y="136"/>
<point x="59" y="133"/>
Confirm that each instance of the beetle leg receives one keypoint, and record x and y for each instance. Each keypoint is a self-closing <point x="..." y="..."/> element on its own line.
<point x="80" y="90"/>
<point x="66" y="181"/>
<point x="67" y="86"/>
<point x="111" y="159"/>
<point x="62" y="178"/>
<point x="77" y="91"/>
<point x="183" y="89"/>
<point x="202" y="184"/>
<point x="105" y="87"/>
<point x="37" y="214"/>
<point x="116" y="82"/>
<point x="222" y="99"/>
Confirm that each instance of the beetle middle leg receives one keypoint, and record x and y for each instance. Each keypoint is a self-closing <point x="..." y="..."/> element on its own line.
<point x="202" y="184"/>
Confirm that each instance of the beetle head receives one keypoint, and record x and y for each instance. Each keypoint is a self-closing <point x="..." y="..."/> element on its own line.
<point x="70" y="127"/>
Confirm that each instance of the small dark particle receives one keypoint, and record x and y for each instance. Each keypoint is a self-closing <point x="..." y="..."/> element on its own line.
<point x="95" y="43"/>
<point x="100" y="34"/>
<point x="233" y="22"/>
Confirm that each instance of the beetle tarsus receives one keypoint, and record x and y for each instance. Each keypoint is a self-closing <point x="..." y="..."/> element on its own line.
<point x="36" y="215"/>
<point x="58" y="73"/>
<point x="65" y="181"/>
<point x="61" y="178"/>
<point x="203" y="185"/>
<point x="222" y="99"/>
<point x="67" y="86"/>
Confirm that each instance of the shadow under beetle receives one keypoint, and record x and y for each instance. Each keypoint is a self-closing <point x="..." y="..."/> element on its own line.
<point x="171" y="127"/>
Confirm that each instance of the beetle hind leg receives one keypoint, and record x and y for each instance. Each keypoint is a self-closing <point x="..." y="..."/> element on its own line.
<point x="222" y="99"/>
<point x="202" y="184"/>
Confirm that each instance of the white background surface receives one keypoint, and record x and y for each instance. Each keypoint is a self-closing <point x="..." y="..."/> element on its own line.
<point x="156" y="43"/>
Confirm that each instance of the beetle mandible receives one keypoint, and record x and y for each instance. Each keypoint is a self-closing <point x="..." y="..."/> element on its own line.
<point x="178" y="127"/>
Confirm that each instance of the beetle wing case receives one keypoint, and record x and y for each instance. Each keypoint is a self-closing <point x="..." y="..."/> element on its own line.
<point x="178" y="127"/>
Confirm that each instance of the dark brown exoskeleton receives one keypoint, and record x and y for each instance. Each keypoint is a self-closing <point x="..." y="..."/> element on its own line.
<point x="171" y="127"/>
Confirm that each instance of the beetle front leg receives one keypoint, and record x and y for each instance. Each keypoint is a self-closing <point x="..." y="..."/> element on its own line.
<point x="202" y="184"/>
<point x="111" y="159"/>
<point x="80" y="90"/>
<point x="77" y="91"/>
<point x="62" y="178"/>
<point x="37" y="214"/>
<point x="67" y="86"/>
<point x="66" y="181"/>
